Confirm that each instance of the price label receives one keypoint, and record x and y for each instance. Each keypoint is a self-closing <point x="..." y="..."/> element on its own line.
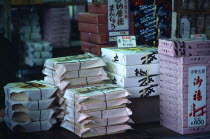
<point x="126" y="41"/>
<point x="197" y="96"/>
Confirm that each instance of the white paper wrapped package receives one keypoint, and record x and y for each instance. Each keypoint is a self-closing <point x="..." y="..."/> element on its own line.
<point x="30" y="105"/>
<point x="30" y="116"/>
<point x="34" y="61"/>
<point x="30" y="126"/>
<point x="91" y="132"/>
<point x="97" y="105"/>
<point x="91" y="123"/>
<point x="132" y="71"/>
<point x="29" y="91"/>
<point x="32" y="28"/>
<point x="100" y="92"/>
<point x="134" y="81"/>
<point x="76" y="82"/>
<point x="131" y="56"/>
<point x="37" y="54"/>
<point x="63" y="64"/>
<point x="40" y="45"/>
<point x="136" y="92"/>
<point x="75" y="74"/>
<point x="119" y="112"/>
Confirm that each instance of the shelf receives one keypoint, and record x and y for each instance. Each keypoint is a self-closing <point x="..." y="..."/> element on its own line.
<point x="196" y="11"/>
<point x="50" y="4"/>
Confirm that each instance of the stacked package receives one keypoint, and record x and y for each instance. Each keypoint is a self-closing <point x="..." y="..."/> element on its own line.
<point x="134" y="69"/>
<point x="36" y="52"/>
<point x="94" y="31"/>
<point x="30" y="29"/>
<point x="152" y="20"/>
<point x="97" y="110"/>
<point x="74" y="71"/>
<point x="30" y="106"/>
<point x="184" y="95"/>
<point x="56" y="26"/>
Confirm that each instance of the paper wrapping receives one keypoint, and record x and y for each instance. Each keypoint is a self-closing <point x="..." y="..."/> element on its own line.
<point x="29" y="105"/>
<point x="107" y="105"/>
<point x="29" y="91"/>
<point x="75" y="74"/>
<point x="92" y="123"/>
<point x="101" y="92"/>
<point x="30" y="116"/>
<point x="76" y="81"/>
<point x="134" y="81"/>
<point x="132" y="71"/>
<point x="91" y="132"/>
<point x="147" y="91"/>
<point x="99" y="28"/>
<point x="29" y="126"/>
<point x="131" y="56"/>
<point x="118" y="112"/>
<point x="94" y="48"/>
<point x="71" y="63"/>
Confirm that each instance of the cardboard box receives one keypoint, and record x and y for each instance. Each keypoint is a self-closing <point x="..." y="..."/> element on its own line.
<point x="184" y="95"/>
<point x="94" y="48"/>
<point x="99" y="28"/>
<point x="131" y="56"/>
<point x="132" y="71"/>
<point x="97" y="38"/>
<point x="184" y="52"/>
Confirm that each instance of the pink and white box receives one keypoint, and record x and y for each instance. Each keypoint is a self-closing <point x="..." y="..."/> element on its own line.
<point x="184" y="95"/>
<point x="184" y="47"/>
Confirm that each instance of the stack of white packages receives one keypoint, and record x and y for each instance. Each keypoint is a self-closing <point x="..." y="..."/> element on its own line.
<point x="74" y="71"/>
<point x="36" y="52"/>
<point x="134" y="69"/>
<point x="30" y="29"/>
<point x="56" y="26"/>
<point x="97" y="110"/>
<point x="30" y="106"/>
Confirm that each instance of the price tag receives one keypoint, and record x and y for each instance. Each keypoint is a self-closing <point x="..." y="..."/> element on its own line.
<point x="126" y="41"/>
<point x="197" y="96"/>
<point x="198" y="36"/>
